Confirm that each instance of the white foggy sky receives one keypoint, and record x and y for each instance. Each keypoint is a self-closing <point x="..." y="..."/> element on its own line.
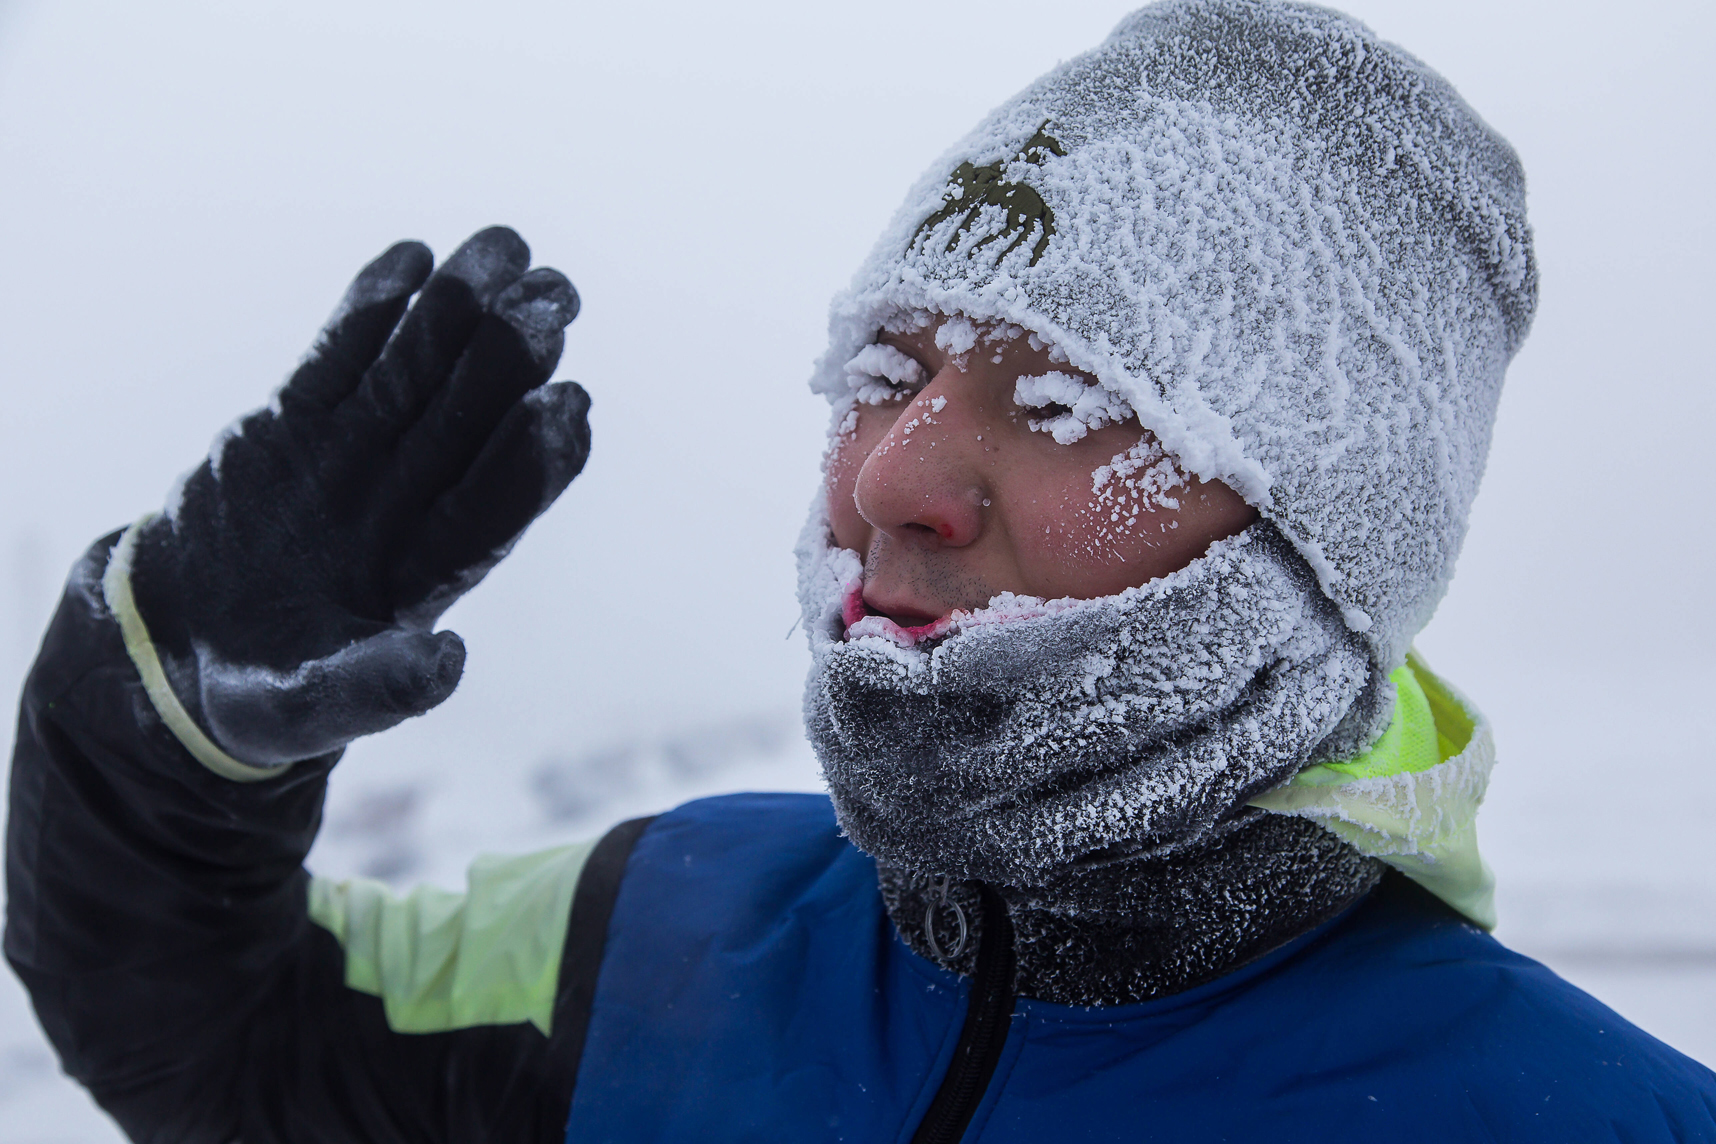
<point x="186" y="187"/>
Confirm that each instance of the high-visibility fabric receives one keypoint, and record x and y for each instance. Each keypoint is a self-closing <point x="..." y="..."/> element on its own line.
<point x="1412" y="799"/>
<point x="440" y="960"/>
<point x="753" y="988"/>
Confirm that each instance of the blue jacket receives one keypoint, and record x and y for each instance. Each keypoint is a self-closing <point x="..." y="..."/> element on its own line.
<point x="752" y="988"/>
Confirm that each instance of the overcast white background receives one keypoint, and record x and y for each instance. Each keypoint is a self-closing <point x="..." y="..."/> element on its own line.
<point x="186" y="187"/>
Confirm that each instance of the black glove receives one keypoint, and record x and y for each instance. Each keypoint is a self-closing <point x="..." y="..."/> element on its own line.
<point x="292" y="586"/>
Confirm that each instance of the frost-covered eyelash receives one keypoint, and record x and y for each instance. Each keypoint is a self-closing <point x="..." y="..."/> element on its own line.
<point x="879" y="373"/>
<point x="1071" y="406"/>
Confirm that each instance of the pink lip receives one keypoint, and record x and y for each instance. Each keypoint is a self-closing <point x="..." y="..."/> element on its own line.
<point x="859" y="622"/>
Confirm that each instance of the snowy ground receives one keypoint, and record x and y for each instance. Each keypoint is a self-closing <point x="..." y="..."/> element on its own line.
<point x="1597" y="832"/>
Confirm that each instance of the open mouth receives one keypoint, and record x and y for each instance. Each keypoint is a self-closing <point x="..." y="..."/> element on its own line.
<point x="863" y="620"/>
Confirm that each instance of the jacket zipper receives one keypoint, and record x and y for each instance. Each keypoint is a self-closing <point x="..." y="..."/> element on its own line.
<point x="987" y="1017"/>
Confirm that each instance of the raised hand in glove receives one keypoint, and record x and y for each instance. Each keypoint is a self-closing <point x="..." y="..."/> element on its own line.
<point x="291" y="587"/>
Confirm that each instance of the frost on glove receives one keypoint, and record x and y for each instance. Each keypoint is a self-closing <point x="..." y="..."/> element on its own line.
<point x="292" y="585"/>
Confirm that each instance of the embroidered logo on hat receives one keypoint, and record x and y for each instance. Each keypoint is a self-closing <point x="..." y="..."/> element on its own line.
<point x="971" y="188"/>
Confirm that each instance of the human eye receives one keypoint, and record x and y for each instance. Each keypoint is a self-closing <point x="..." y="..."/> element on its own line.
<point x="880" y="373"/>
<point x="1067" y="407"/>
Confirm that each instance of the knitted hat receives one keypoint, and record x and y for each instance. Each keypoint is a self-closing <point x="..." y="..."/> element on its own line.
<point x="1288" y="246"/>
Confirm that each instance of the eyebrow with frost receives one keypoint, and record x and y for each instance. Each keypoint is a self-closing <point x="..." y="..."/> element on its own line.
<point x="976" y="463"/>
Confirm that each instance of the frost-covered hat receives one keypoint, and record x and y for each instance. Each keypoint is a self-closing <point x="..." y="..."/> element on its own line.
<point x="1289" y="247"/>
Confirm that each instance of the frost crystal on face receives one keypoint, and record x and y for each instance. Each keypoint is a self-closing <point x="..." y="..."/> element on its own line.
<point x="1143" y="475"/>
<point x="848" y="424"/>
<point x="879" y="373"/>
<point x="957" y="336"/>
<point x="998" y="334"/>
<point x="1081" y="406"/>
<point x="1039" y="344"/>
<point x="909" y="319"/>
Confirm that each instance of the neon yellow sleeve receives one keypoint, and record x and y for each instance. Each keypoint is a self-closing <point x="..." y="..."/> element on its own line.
<point x="439" y="960"/>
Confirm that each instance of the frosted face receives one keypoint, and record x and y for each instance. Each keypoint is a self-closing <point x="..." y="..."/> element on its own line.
<point x="975" y="463"/>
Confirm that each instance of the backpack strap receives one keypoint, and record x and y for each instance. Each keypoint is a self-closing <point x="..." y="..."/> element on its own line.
<point x="586" y="940"/>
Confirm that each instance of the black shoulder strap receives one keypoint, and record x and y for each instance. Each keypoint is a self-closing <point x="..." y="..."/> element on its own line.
<point x="581" y="962"/>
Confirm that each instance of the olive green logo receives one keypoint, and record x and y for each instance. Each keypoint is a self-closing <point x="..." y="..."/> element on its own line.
<point x="972" y="188"/>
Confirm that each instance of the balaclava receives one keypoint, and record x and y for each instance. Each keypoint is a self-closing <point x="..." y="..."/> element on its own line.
<point x="1303" y="262"/>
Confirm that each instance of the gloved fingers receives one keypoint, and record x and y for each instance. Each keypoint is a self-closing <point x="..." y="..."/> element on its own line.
<point x="540" y="305"/>
<point x="352" y="338"/>
<point x="513" y="351"/>
<point x="267" y="718"/>
<point x="421" y="355"/>
<point x="540" y="445"/>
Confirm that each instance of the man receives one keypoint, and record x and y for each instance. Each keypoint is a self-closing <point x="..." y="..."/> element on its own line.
<point x="1158" y="412"/>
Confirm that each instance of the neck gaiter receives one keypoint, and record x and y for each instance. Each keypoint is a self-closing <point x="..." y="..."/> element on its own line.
<point x="1035" y="742"/>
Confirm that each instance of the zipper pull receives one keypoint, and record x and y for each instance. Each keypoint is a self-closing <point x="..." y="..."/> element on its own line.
<point x="945" y="902"/>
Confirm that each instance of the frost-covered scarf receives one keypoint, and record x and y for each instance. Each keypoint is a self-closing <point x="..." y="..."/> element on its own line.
<point x="1034" y="739"/>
